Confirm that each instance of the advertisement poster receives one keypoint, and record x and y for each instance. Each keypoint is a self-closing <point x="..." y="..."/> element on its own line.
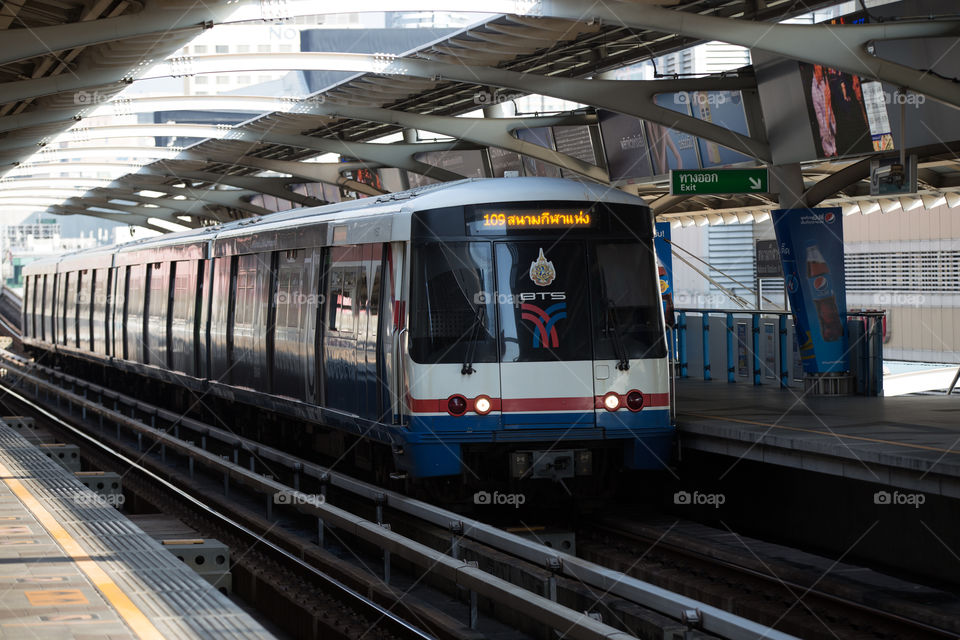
<point x="661" y="245"/>
<point x="811" y="249"/>
<point x="541" y="136"/>
<point x="625" y="146"/>
<point x="669" y="148"/>
<point x="724" y="108"/>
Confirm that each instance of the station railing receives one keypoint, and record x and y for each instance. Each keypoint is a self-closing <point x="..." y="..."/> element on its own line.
<point x="759" y="345"/>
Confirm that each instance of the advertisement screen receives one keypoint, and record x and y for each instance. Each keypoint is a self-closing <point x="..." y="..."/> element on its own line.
<point x="838" y="110"/>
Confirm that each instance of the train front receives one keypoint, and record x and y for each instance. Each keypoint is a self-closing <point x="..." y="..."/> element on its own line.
<point x="536" y="345"/>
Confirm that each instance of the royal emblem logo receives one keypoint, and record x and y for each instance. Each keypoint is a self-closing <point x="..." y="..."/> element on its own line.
<point x="542" y="271"/>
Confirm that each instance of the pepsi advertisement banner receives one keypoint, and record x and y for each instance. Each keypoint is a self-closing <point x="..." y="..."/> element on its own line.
<point x="661" y="245"/>
<point x="811" y="249"/>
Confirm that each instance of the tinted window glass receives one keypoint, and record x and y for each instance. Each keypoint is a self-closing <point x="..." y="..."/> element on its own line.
<point x="451" y="315"/>
<point x="627" y="302"/>
<point x="543" y="300"/>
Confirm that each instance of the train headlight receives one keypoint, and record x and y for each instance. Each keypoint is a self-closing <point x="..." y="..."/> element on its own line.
<point x="456" y="405"/>
<point x="611" y="401"/>
<point x="634" y="400"/>
<point x="482" y="405"/>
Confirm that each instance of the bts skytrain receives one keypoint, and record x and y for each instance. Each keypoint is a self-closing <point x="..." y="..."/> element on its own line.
<point x="485" y="328"/>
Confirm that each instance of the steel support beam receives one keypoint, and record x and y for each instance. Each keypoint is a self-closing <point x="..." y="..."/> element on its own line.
<point x="491" y="132"/>
<point x="186" y="207"/>
<point x="231" y="198"/>
<point x="273" y="186"/>
<point x="125" y="218"/>
<point x="127" y="106"/>
<point x="630" y="97"/>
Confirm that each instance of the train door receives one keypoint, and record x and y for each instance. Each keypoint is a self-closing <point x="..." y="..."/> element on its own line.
<point x="390" y="334"/>
<point x="369" y="291"/>
<point x="546" y="375"/>
<point x="341" y="324"/>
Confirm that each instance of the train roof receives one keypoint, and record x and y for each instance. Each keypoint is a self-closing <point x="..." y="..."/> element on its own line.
<point x="435" y="196"/>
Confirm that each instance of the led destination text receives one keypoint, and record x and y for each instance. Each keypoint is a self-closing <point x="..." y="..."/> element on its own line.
<point x="543" y="220"/>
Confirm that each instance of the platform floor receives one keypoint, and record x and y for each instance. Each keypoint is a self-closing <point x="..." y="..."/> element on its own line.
<point x="72" y="566"/>
<point x="910" y="442"/>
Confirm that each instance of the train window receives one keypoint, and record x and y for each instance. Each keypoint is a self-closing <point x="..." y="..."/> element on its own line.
<point x="342" y="303"/>
<point x="246" y="290"/>
<point x="627" y="302"/>
<point x="543" y="300"/>
<point x="452" y="315"/>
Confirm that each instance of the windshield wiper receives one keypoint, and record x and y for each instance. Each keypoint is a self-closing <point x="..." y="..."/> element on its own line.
<point x="479" y="322"/>
<point x="613" y="329"/>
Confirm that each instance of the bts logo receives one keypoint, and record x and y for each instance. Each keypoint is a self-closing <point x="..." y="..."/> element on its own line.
<point x="544" y="320"/>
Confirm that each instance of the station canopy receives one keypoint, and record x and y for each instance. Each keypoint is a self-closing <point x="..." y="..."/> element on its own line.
<point x="391" y="120"/>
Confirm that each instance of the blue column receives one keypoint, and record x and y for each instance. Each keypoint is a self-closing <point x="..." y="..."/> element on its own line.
<point x="784" y="369"/>
<point x="756" y="349"/>
<point x="730" y="363"/>
<point x="706" y="344"/>
<point x="682" y="340"/>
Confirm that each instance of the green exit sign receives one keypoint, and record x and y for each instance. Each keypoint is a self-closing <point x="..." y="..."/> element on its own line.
<point x="695" y="182"/>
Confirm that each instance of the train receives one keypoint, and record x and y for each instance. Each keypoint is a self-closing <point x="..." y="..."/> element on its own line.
<point x="500" y="327"/>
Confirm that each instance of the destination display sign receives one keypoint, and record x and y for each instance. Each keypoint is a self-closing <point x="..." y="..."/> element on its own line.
<point x="693" y="182"/>
<point x="496" y="221"/>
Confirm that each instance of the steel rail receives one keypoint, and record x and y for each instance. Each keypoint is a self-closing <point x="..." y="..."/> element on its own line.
<point x="713" y="619"/>
<point x="369" y="606"/>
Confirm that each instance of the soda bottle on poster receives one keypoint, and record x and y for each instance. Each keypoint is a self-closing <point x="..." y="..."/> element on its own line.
<point x="828" y="313"/>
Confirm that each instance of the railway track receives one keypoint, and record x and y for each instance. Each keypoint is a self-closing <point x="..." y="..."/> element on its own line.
<point x="784" y="594"/>
<point x="559" y="592"/>
<point x="313" y="603"/>
<point x="791" y="607"/>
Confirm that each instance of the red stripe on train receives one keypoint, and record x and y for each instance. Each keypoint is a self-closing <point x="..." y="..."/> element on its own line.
<point x="439" y="405"/>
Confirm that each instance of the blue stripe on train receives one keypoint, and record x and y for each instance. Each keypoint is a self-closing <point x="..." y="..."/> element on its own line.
<point x="433" y="442"/>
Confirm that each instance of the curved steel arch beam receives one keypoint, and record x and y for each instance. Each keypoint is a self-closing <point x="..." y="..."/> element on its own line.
<point x="233" y="198"/>
<point x="109" y="132"/>
<point x="493" y="132"/>
<point x="192" y="207"/>
<point x="125" y="218"/>
<point x="47" y="155"/>
<point x="128" y="106"/>
<point x="273" y="186"/>
<point x="104" y="203"/>
<point x="325" y="172"/>
<point x="841" y="47"/>
<point x="630" y="97"/>
<point x="399" y="155"/>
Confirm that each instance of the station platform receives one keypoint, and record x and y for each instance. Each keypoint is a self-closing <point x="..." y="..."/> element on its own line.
<point x="72" y="566"/>
<point x="906" y="442"/>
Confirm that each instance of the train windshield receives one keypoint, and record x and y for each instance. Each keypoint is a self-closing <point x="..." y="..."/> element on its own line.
<point x="627" y="309"/>
<point x="451" y="313"/>
<point x="535" y="300"/>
